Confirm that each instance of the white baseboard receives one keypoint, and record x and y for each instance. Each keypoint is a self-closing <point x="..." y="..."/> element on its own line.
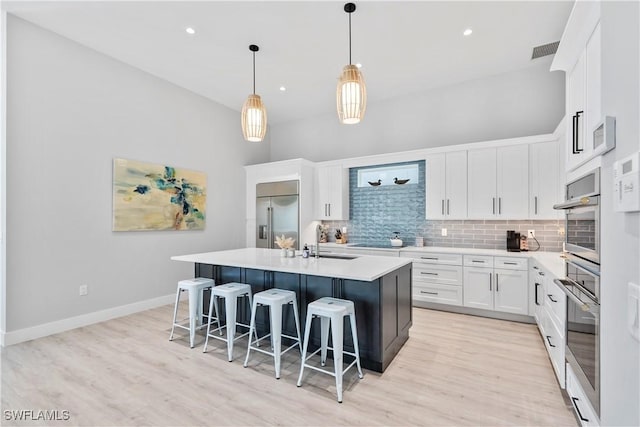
<point x="46" y="329"/>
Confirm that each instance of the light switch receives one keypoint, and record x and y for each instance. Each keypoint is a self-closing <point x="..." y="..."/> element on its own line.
<point x="633" y="311"/>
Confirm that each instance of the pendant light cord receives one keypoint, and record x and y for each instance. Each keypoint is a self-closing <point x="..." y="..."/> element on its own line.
<point x="254" y="73"/>
<point x="349" y="38"/>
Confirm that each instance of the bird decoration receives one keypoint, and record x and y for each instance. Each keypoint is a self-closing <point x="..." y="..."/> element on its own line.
<point x="400" y="181"/>
<point x="375" y="183"/>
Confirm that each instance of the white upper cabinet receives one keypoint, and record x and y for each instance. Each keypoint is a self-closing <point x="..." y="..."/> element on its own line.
<point x="446" y="185"/>
<point x="332" y="190"/>
<point x="482" y="183"/>
<point x="544" y="180"/>
<point x="593" y="105"/>
<point x="579" y="55"/>
<point x="498" y="182"/>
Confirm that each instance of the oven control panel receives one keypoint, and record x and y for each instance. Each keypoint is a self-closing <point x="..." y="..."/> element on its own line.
<point x="626" y="184"/>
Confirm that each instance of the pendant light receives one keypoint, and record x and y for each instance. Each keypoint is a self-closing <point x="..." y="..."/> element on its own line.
<point x="351" y="95"/>
<point x="254" y="113"/>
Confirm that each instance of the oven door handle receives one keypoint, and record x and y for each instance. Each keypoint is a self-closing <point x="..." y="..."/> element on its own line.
<point x="585" y="200"/>
<point x="593" y="308"/>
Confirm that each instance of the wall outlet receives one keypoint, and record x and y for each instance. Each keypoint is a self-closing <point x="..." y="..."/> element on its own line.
<point x="444" y="231"/>
<point x="531" y="234"/>
<point x="84" y="290"/>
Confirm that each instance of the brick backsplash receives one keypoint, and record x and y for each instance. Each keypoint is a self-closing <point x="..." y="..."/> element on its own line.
<point x="377" y="212"/>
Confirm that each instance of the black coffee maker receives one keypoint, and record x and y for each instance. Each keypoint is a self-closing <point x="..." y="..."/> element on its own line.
<point x="513" y="241"/>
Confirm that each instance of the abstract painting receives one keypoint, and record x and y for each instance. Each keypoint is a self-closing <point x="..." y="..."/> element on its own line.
<point x="149" y="196"/>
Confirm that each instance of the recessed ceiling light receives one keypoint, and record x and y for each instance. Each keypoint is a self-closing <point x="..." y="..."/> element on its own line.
<point x="282" y="88"/>
<point x="359" y="65"/>
<point x="467" y="32"/>
<point x="190" y="30"/>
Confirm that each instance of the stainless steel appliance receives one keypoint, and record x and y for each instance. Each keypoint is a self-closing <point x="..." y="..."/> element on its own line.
<point x="582" y="282"/>
<point x="582" y="219"/>
<point x="582" y="287"/>
<point x="277" y="213"/>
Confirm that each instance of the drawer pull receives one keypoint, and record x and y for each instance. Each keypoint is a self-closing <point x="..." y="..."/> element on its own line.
<point x="535" y="267"/>
<point x="551" y="298"/>
<point x="549" y="341"/>
<point x="574" y="400"/>
<point x="430" y="274"/>
<point x="510" y="263"/>
<point x="426" y="257"/>
<point x="478" y="260"/>
<point x="541" y="273"/>
<point x="430" y="293"/>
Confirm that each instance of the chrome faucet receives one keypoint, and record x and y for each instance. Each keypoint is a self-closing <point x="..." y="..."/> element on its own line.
<point x="318" y="231"/>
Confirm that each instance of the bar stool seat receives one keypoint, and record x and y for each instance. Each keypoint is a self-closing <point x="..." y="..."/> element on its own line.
<point x="275" y="299"/>
<point x="331" y="312"/>
<point x="194" y="287"/>
<point x="230" y="292"/>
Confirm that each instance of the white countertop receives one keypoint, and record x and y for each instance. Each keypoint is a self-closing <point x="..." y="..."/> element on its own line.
<point x="551" y="261"/>
<point x="364" y="267"/>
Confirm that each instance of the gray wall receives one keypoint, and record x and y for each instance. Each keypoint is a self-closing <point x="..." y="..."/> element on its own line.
<point x="620" y="369"/>
<point x="520" y="103"/>
<point x="72" y="110"/>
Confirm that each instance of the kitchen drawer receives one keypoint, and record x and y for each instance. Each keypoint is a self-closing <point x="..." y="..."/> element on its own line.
<point x="478" y="261"/>
<point x="509" y="263"/>
<point x="433" y="292"/>
<point x="555" y="301"/>
<point x="432" y="258"/>
<point x="372" y="252"/>
<point x="443" y="274"/>
<point x="554" y="342"/>
<point x="581" y="405"/>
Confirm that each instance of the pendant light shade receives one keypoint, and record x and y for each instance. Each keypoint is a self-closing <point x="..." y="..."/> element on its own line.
<point x="351" y="94"/>
<point x="254" y="113"/>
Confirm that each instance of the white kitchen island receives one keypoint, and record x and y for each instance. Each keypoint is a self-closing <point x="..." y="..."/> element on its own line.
<point x="380" y="288"/>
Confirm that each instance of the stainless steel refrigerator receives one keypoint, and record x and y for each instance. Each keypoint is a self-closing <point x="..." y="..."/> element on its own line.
<point x="277" y="213"/>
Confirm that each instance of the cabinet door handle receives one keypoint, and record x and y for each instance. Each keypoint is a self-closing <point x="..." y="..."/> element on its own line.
<point x="551" y="298"/>
<point x="535" y="267"/>
<point x="497" y="283"/>
<point x="494" y="205"/>
<point x="549" y="341"/>
<point x="578" y="149"/>
<point x="490" y="281"/>
<point x="430" y="293"/>
<point x="447" y="206"/>
<point x="329" y="204"/>
<point x="535" y="203"/>
<point x="574" y="400"/>
<point x="430" y="274"/>
<point x="541" y="273"/>
<point x="499" y="205"/>
<point x="536" y="293"/>
<point x="573" y="135"/>
<point x="442" y="206"/>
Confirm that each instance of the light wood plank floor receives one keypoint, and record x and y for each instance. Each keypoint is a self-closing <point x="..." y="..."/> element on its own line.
<point x="454" y="370"/>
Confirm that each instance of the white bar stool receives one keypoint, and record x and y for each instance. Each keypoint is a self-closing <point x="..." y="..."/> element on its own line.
<point x="331" y="310"/>
<point x="275" y="299"/>
<point x="230" y="292"/>
<point x="194" y="288"/>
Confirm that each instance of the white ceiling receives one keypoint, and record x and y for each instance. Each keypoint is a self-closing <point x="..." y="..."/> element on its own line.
<point x="403" y="46"/>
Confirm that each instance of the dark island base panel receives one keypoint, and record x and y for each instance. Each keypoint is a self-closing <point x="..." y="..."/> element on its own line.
<point x="383" y="307"/>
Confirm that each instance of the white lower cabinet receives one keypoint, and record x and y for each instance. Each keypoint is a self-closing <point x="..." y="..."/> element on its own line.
<point x="551" y="317"/>
<point x="501" y="289"/>
<point x="581" y="405"/>
<point x="436" y="277"/>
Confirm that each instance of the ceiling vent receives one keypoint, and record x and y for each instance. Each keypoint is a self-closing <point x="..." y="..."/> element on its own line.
<point x="544" y="50"/>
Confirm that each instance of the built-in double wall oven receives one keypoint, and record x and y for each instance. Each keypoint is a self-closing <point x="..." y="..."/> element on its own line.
<point x="582" y="282"/>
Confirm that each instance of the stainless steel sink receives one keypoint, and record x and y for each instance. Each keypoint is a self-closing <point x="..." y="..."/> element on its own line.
<point x="335" y="256"/>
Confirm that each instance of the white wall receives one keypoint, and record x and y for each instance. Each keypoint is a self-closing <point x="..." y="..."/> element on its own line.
<point x="72" y="110"/>
<point x="521" y="103"/>
<point x="620" y="370"/>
